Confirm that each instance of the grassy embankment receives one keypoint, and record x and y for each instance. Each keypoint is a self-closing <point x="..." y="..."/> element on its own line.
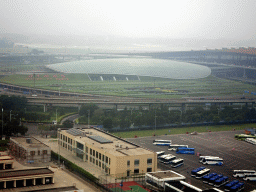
<point x="173" y="131"/>
<point x="146" y="88"/>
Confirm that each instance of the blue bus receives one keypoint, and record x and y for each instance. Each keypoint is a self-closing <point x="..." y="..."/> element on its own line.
<point x="193" y="172"/>
<point x="230" y="184"/>
<point x="212" y="180"/>
<point x="221" y="181"/>
<point x="182" y="150"/>
<point x="207" y="177"/>
<point x="238" y="187"/>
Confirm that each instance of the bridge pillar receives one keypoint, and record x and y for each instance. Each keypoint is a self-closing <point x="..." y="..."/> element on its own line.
<point x="79" y="107"/>
<point x="45" y="107"/>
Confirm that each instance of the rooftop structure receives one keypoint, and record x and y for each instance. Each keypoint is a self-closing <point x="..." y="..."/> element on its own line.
<point x="29" y="149"/>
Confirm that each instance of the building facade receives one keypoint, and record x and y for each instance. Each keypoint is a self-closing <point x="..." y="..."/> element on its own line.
<point x="29" y="150"/>
<point x="107" y="152"/>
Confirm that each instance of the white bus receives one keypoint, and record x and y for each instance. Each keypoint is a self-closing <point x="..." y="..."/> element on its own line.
<point x="174" y="147"/>
<point x="251" y="140"/>
<point x="177" y="162"/>
<point x="167" y="160"/>
<point x="161" y="158"/>
<point x="160" y="153"/>
<point x="162" y="142"/>
<point x="241" y="173"/>
<point x="202" y="173"/>
<point x="201" y="158"/>
<point x="250" y="177"/>
<point x="212" y="161"/>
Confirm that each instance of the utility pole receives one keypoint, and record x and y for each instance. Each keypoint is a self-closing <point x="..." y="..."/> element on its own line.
<point x="2" y="123"/>
<point x="89" y="118"/>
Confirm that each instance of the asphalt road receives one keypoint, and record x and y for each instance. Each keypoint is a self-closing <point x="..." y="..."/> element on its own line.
<point x="236" y="154"/>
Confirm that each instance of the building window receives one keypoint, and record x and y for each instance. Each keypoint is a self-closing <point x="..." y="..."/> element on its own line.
<point x="80" y="146"/>
<point x="93" y="153"/>
<point x="128" y="163"/>
<point x="106" y="159"/>
<point x="68" y="140"/>
<point x="97" y="154"/>
<point x="100" y="156"/>
<point x="71" y="141"/>
<point x="96" y="162"/>
<point x="136" y="162"/>
<point x="32" y="153"/>
<point x="90" y="151"/>
<point x="109" y="161"/>
<point x="149" y="161"/>
<point x="103" y="166"/>
<point x="90" y="159"/>
<point x="86" y="157"/>
<point x="86" y="149"/>
<point x="149" y="169"/>
<point x="38" y="152"/>
<point x="93" y="161"/>
<point x="44" y="152"/>
<point x="136" y="171"/>
<point x="99" y="164"/>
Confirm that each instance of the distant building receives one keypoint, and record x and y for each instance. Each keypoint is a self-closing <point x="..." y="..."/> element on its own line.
<point x="6" y="162"/>
<point x="29" y="150"/>
<point x="109" y="153"/>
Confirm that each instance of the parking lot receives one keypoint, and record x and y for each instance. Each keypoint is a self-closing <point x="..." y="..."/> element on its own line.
<point x="236" y="154"/>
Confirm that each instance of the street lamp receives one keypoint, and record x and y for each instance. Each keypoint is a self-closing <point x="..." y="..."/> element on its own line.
<point x="56" y="116"/>
<point x="10" y="115"/>
<point x="2" y="123"/>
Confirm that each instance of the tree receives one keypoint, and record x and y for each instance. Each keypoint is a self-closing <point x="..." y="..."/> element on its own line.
<point x="107" y="123"/>
<point x="88" y="108"/>
<point x="68" y="124"/>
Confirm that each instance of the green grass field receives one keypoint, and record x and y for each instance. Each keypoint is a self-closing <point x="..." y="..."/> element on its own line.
<point x="148" y="87"/>
<point x="173" y="131"/>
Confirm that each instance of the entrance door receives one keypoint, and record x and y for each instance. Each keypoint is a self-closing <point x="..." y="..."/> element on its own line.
<point x="128" y="173"/>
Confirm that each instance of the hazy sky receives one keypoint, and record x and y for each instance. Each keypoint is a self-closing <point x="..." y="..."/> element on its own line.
<point x="133" y="18"/>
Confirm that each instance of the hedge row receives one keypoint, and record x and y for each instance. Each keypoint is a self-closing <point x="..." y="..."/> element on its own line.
<point x="74" y="168"/>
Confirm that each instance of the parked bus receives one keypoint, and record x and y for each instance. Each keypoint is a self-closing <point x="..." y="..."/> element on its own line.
<point x="212" y="180"/>
<point x="193" y="172"/>
<point x="174" y="147"/>
<point x="241" y="173"/>
<point x="162" y="142"/>
<point x="250" y="177"/>
<point x="212" y="161"/>
<point x="251" y="140"/>
<point x="160" y="153"/>
<point x="202" y="173"/>
<point x="230" y="184"/>
<point x="221" y="181"/>
<point x="238" y="187"/>
<point x="185" y="151"/>
<point x="207" y="177"/>
<point x="201" y="158"/>
<point x="177" y="163"/>
<point x="243" y="136"/>
<point x="167" y="160"/>
<point x="161" y="158"/>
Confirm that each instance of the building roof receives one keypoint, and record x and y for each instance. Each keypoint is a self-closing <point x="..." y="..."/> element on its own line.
<point x="165" y="175"/>
<point x="29" y="142"/>
<point x="105" y="141"/>
<point x="5" y="157"/>
<point x="25" y="172"/>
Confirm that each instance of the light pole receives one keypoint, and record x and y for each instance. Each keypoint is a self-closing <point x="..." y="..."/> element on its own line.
<point x="56" y="116"/>
<point x="2" y="123"/>
<point x="89" y="118"/>
<point x="10" y="115"/>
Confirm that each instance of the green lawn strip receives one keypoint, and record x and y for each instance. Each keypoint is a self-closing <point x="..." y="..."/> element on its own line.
<point x="173" y="131"/>
<point x="146" y="88"/>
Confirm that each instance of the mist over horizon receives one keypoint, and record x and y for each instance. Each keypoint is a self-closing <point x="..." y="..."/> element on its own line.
<point x="164" y="25"/>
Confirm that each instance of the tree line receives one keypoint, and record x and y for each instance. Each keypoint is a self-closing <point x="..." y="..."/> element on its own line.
<point x="162" y="115"/>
